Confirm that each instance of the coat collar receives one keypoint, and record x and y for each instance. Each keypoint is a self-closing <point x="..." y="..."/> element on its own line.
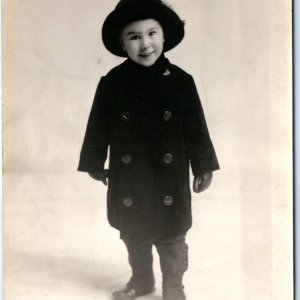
<point x="160" y="68"/>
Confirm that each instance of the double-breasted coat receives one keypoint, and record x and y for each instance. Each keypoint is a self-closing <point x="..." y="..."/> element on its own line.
<point x="152" y="122"/>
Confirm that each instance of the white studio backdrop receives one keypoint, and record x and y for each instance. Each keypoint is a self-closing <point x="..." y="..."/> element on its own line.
<point x="239" y="53"/>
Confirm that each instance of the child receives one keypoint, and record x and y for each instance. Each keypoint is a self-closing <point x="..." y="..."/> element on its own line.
<point x="149" y="113"/>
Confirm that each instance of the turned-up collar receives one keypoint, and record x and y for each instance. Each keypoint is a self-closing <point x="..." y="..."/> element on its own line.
<point x="160" y="67"/>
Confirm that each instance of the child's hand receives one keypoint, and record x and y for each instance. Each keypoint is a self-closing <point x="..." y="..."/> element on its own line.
<point x="99" y="176"/>
<point x="202" y="182"/>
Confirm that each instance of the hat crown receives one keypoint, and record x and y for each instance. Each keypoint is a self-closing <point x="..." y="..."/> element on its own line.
<point x="124" y="3"/>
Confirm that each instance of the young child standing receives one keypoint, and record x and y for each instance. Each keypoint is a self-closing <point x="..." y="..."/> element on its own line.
<point x="148" y="112"/>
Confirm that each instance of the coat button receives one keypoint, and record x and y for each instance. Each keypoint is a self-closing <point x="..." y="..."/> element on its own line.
<point x="168" y="200"/>
<point x="125" y="116"/>
<point x="168" y="158"/>
<point x="126" y="159"/>
<point x="127" y="201"/>
<point x="167" y="72"/>
<point x="167" y="115"/>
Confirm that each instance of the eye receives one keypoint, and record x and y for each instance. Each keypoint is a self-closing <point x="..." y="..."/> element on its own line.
<point x="134" y="37"/>
<point x="151" y="33"/>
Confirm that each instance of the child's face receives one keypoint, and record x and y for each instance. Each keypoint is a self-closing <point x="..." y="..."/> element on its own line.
<point x="143" y="41"/>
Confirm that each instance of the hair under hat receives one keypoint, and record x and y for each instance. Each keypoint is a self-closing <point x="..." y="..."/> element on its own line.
<point x="128" y="11"/>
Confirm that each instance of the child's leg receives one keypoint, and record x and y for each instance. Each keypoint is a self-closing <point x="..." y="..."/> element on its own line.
<point x="142" y="279"/>
<point x="140" y="259"/>
<point x="173" y="262"/>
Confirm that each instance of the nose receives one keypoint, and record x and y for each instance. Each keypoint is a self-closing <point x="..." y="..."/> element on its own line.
<point x="145" y="43"/>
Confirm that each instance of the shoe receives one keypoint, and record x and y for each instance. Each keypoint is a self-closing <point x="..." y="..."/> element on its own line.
<point x="129" y="293"/>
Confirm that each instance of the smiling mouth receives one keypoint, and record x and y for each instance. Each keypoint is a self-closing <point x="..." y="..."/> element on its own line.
<point x="144" y="55"/>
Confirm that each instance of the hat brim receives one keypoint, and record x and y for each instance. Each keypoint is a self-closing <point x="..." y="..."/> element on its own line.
<point x="115" y="22"/>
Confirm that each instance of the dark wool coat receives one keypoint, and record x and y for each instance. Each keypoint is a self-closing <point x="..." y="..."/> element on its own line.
<point x="152" y="119"/>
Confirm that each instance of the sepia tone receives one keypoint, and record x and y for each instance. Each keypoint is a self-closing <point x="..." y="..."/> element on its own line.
<point x="57" y="241"/>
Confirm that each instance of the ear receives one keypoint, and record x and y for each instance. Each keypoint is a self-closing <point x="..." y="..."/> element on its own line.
<point x="121" y="41"/>
<point x="122" y="44"/>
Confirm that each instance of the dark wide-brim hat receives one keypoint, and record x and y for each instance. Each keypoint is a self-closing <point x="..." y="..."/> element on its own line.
<point x="128" y="11"/>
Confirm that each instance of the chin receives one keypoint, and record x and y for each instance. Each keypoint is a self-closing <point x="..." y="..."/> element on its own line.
<point x="147" y="63"/>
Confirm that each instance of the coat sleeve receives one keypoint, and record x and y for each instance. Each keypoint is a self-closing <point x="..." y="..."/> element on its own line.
<point x="200" y="148"/>
<point x="96" y="140"/>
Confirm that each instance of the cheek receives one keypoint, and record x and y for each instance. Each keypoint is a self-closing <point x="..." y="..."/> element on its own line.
<point x="126" y="47"/>
<point x="131" y="49"/>
<point x="160" y="44"/>
<point x="160" y="41"/>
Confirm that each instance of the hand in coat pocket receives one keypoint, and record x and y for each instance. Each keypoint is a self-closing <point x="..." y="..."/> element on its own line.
<point x="202" y="182"/>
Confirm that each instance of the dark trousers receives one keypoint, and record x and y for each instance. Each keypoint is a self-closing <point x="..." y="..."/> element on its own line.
<point x="173" y="255"/>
